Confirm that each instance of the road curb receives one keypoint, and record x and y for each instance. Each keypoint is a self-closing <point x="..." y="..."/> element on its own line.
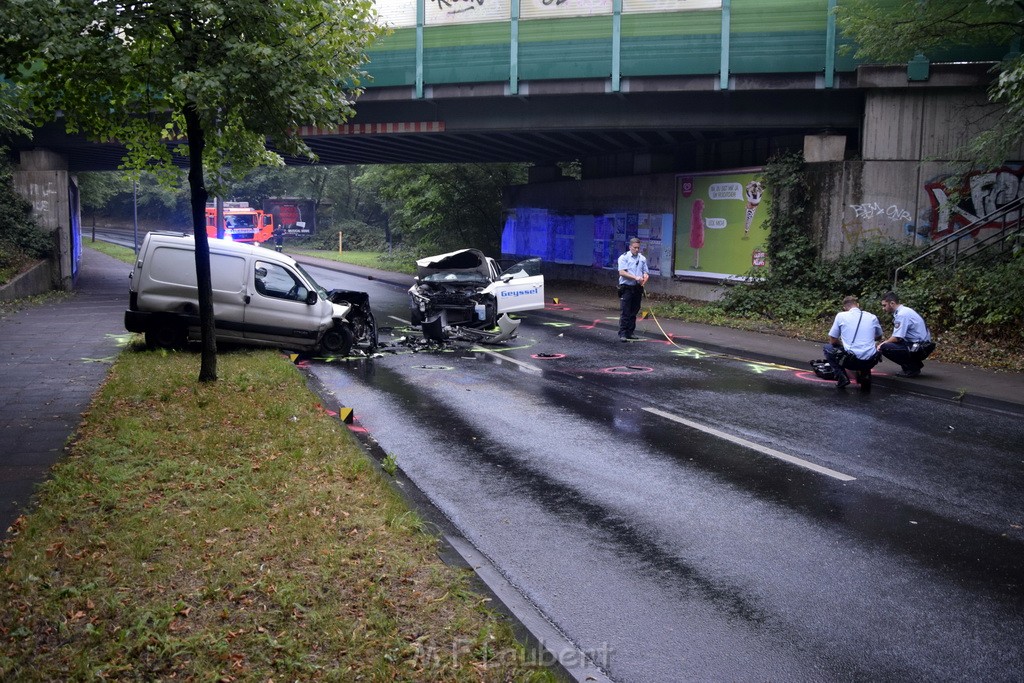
<point x="556" y="651"/>
<point x="564" y="654"/>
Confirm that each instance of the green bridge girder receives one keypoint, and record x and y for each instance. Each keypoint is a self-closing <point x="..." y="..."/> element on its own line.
<point x="740" y="37"/>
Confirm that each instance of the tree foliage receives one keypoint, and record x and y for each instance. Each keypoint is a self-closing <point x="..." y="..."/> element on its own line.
<point x="893" y="32"/>
<point x="249" y="70"/>
<point x="439" y="207"/>
<point x="12" y="117"/>
<point x="213" y="79"/>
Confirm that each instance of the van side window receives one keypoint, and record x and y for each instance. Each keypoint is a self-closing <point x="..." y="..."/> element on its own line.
<point x="278" y="282"/>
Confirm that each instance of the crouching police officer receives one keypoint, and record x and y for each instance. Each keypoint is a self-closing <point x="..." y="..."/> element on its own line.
<point x="910" y="342"/>
<point x="851" y="343"/>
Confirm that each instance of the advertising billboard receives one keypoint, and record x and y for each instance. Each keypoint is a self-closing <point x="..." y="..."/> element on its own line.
<point x="295" y="216"/>
<point x="718" y="225"/>
<point x="595" y="240"/>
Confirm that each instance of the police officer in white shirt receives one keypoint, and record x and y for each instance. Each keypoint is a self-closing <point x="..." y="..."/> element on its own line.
<point x="854" y="332"/>
<point x="633" y="275"/>
<point x="911" y="342"/>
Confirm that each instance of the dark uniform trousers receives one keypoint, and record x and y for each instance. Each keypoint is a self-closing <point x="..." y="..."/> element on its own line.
<point x="908" y="355"/>
<point x="629" y="304"/>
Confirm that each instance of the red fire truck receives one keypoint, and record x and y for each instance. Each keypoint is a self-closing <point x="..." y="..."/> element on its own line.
<point x="242" y="223"/>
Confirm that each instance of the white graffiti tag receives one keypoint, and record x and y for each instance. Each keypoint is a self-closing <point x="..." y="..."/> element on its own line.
<point x="875" y="210"/>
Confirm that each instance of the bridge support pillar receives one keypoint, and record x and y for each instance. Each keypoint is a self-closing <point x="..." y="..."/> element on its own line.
<point x="42" y="177"/>
<point x="818" y="148"/>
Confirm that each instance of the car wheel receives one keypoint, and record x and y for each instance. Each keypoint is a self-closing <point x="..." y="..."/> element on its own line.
<point x="165" y="333"/>
<point x="337" y="341"/>
<point x="415" y="317"/>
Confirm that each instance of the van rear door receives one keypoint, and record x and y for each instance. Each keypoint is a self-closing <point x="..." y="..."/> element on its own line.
<point x="170" y="287"/>
<point x="228" y="276"/>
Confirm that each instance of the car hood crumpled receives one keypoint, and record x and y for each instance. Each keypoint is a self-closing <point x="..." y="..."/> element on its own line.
<point x="461" y="261"/>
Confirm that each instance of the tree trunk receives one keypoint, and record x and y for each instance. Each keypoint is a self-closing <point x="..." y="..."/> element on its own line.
<point x="197" y="186"/>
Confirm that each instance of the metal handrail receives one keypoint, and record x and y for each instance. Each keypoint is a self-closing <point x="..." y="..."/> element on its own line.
<point x="957" y="235"/>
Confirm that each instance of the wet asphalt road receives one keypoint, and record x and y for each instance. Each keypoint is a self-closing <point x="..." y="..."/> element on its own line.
<point x="685" y="516"/>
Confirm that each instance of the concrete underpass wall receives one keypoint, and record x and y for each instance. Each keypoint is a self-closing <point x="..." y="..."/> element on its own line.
<point x="898" y="192"/>
<point x="43" y="179"/>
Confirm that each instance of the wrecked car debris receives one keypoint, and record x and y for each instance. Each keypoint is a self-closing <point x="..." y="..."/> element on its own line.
<point x="464" y="295"/>
<point x="363" y="325"/>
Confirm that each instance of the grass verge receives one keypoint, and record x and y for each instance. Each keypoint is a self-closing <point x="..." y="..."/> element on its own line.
<point x="962" y="348"/>
<point x="232" y="531"/>
<point x="398" y="263"/>
<point x="117" y="251"/>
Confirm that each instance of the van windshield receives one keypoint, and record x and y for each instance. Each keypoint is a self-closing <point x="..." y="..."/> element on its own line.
<point x="320" y="291"/>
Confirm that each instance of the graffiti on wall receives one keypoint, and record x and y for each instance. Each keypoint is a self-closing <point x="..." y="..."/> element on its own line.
<point x="979" y="195"/>
<point x="868" y="215"/>
<point x="875" y="210"/>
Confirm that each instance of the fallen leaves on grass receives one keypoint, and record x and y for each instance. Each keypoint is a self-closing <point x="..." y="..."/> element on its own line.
<point x="195" y="532"/>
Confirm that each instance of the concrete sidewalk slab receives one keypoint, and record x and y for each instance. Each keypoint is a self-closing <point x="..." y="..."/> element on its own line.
<point x="55" y="356"/>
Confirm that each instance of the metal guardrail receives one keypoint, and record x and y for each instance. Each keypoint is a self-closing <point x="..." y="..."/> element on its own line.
<point x="951" y="242"/>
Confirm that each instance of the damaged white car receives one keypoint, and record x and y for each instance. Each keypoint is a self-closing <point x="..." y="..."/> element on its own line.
<point x="465" y="295"/>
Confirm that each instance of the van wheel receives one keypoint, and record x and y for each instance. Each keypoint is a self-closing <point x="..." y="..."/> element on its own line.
<point x="337" y="341"/>
<point x="165" y="333"/>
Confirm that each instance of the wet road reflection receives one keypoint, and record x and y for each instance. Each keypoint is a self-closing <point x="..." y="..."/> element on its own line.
<point x="690" y="557"/>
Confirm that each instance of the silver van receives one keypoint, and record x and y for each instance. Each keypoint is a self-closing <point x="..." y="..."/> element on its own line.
<point x="260" y="297"/>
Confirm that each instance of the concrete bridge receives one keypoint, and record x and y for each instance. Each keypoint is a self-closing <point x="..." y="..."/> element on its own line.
<point x="642" y="92"/>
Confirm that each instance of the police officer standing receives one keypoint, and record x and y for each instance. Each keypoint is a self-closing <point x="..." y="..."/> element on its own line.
<point x="910" y="342"/>
<point x="633" y="275"/>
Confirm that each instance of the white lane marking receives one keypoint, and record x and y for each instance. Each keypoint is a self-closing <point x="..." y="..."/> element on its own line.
<point x="800" y="462"/>
<point x="401" y="320"/>
<point x="528" y="366"/>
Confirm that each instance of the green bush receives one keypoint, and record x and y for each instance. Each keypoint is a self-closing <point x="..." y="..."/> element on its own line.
<point x="868" y="270"/>
<point x="986" y="299"/>
<point x="21" y="241"/>
<point x="356" y="236"/>
<point x="18" y="230"/>
<point x="983" y="297"/>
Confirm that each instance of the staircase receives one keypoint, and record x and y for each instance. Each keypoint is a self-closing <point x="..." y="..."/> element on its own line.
<point x="958" y="246"/>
